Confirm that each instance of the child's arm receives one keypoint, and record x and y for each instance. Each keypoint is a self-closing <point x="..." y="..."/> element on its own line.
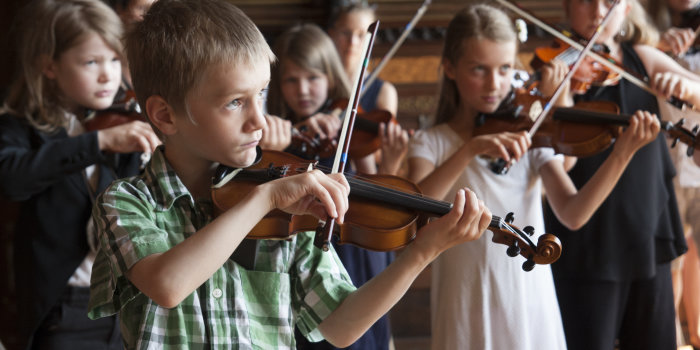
<point x="169" y="277"/>
<point x="668" y="77"/>
<point x="574" y="208"/>
<point x="136" y="136"/>
<point x="394" y="146"/>
<point x="436" y="182"/>
<point x="465" y="222"/>
<point x="388" y="98"/>
<point x="394" y="140"/>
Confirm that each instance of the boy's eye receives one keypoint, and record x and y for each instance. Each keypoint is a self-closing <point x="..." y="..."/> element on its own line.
<point x="234" y="105"/>
<point x="505" y="68"/>
<point x="262" y="95"/>
<point x="89" y="62"/>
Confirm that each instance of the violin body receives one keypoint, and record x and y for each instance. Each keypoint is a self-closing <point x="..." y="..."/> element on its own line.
<point x="385" y="212"/>
<point x="365" y="139"/>
<point x="589" y="73"/>
<point x="569" y="131"/>
<point x="393" y="227"/>
<point x="586" y="129"/>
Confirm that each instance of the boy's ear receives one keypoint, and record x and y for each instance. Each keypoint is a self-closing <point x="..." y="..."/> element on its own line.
<point x="161" y="114"/>
<point x="448" y="68"/>
<point x="48" y="67"/>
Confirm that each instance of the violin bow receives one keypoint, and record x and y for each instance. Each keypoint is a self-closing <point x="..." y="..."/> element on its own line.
<point x="500" y="166"/>
<point x="323" y="233"/>
<point x="373" y="76"/>
<point x="674" y="101"/>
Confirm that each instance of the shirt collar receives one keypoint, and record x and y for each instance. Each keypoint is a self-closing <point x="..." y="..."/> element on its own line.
<point x="167" y="187"/>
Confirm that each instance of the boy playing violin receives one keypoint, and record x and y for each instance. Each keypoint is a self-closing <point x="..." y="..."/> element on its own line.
<point x="163" y="262"/>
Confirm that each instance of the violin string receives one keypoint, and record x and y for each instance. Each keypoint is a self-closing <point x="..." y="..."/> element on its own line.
<point x="391" y="189"/>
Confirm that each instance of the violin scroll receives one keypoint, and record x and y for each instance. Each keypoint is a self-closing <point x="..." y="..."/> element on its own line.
<point x="546" y="251"/>
<point x="678" y="133"/>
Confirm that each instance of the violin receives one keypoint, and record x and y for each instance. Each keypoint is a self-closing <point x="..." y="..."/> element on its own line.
<point x="384" y="214"/>
<point x="125" y="109"/>
<point x="674" y="101"/>
<point x="589" y="73"/>
<point x="581" y="131"/>
<point x="366" y="139"/>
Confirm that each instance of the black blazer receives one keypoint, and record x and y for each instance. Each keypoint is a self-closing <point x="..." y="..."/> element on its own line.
<point x="45" y="172"/>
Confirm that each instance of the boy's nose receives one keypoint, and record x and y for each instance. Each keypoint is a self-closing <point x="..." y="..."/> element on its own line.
<point x="256" y="117"/>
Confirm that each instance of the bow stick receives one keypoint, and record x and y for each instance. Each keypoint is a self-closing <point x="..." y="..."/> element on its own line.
<point x="676" y="102"/>
<point x="323" y="233"/>
<point x="501" y="166"/>
<point x="373" y="76"/>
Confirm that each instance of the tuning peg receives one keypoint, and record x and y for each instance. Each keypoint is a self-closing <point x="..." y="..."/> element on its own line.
<point x="680" y="122"/>
<point x="513" y="250"/>
<point x="690" y="151"/>
<point x="528" y="265"/>
<point x="695" y="129"/>
<point x="509" y="218"/>
<point x="666" y="126"/>
<point x="674" y="142"/>
<point x="529" y="230"/>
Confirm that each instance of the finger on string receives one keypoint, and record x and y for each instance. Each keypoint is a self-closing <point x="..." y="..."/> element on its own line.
<point x="323" y="195"/>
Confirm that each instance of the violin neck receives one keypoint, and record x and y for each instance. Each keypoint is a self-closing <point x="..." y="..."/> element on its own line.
<point x="412" y="201"/>
<point x="578" y="115"/>
<point x="366" y="125"/>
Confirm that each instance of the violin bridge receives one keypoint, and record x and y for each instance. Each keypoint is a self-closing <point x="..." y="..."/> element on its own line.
<point x="535" y="110"/>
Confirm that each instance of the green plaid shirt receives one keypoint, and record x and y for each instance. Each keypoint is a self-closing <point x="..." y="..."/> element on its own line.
<point x="292" y="281"/>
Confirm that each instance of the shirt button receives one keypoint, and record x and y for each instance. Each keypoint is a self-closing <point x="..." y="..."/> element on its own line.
<point x="217" y="293"/>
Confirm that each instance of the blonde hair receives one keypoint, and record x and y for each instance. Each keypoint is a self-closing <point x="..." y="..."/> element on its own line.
<point x="49" y="28"/>
<point x="638" y="29"/>
<point x="309" y="47"/>
<point x="170" y="50"/>
<point x="480" y="21"/>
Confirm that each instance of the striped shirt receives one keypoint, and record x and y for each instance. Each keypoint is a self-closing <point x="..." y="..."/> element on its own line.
<point x="292" y="282"/>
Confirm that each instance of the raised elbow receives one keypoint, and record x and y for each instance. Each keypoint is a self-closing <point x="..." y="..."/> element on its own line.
<point x="342" y="341"/>
<point x="167" y="301"/>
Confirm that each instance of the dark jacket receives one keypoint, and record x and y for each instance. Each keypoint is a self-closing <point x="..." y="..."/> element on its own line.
<point x="45" y="172"/>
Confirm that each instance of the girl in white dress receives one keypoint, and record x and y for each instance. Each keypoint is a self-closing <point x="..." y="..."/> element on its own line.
<point x="481" y="298"/>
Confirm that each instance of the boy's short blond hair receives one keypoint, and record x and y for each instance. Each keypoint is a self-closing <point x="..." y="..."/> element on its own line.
<point x="170" y="50"/>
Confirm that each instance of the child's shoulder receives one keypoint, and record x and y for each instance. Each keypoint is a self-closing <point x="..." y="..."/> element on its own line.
<point x="129" y="189"/>
<point x="436" y="135"/>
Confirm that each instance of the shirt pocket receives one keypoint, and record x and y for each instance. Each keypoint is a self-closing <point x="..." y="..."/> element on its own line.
<point x="268" y="308"/>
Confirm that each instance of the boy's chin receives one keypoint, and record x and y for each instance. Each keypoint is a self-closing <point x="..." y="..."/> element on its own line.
<point x="244" y="160"/>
